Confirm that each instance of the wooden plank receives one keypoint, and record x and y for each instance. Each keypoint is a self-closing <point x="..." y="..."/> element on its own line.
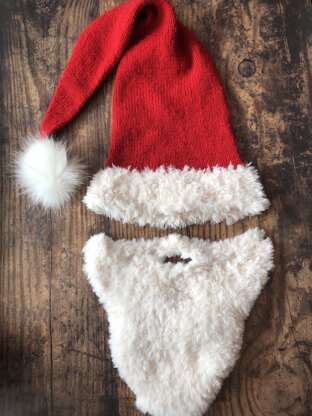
<point x="54" y="356"/>
<point x="25" y="326"/>
<point x="83" y="375"/>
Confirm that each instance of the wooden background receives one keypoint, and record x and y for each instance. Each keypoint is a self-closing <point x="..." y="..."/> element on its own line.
<point x="54" y="357"/>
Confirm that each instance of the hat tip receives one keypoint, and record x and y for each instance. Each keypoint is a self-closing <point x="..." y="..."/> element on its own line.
<point x="44" y="171"/>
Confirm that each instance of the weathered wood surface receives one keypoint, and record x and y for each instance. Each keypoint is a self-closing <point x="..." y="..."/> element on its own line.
<point x="54" y="357"/>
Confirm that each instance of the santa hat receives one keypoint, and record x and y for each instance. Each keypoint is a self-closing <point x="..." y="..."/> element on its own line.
<point x="173" y="158"/>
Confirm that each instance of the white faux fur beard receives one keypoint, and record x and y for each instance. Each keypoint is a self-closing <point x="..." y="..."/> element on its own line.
<point x="176" y="329"/>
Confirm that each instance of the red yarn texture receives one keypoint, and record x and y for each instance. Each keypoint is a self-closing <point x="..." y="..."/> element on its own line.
<point x="169" y="107"/>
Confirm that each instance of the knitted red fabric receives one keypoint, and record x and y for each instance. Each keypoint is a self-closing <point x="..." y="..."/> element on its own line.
<point x="169" y="107"/>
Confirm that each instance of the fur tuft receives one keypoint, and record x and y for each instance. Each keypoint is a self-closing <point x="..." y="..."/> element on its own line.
<point x="43" y="170"/>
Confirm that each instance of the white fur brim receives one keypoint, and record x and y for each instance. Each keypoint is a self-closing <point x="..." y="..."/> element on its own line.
<point x="176" y="329"/>
<point x="46" y="173"/>
<point x="176" y="198"/>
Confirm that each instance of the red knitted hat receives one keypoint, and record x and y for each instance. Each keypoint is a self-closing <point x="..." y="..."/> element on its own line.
<point x="173" y="159"/>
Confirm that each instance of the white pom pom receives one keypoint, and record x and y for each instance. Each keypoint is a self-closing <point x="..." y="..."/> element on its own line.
<point x="44" y="171"/>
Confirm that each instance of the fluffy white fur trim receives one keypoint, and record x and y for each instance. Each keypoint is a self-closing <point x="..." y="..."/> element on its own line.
<point x="44" y="171"/>
<point x="176" y="329"/>
<point x="175" y="198"/>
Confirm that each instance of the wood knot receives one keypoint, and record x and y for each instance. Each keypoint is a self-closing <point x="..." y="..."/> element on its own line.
<point x="247" y="68"/>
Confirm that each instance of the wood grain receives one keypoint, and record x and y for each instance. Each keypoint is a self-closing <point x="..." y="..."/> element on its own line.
<point x="54" y="356"/>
